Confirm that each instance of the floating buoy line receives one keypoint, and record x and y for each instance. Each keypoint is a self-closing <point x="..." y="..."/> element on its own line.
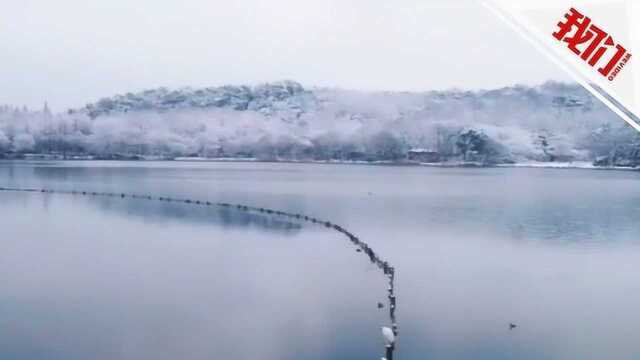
<point x="389" y="333"/>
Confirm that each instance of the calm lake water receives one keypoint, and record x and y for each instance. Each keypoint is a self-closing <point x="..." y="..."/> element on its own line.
<point x="553" y="251"/>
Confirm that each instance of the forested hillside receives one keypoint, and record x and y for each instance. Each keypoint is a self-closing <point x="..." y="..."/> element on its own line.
<point x="284" y="121"/>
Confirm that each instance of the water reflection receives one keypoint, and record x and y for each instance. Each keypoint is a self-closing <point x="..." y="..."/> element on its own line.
<point x="85" y="283"/>
<point x="390" y="333"/>
<point x="160" y="211"/>
<point x="554" y="251"/>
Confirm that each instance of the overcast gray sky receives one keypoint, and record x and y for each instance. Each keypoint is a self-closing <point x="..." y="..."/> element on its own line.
<point x="70" y="52"/>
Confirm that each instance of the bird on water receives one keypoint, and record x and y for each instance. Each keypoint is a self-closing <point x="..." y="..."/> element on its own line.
<point x="389" y="337"/>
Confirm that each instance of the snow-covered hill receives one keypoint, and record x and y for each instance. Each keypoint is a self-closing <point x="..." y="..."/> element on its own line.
<point x="284" y="96"/>
<point x="284" y="120"/>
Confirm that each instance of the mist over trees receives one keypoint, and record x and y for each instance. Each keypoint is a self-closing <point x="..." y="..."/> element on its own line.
<point x="284" y="121"/>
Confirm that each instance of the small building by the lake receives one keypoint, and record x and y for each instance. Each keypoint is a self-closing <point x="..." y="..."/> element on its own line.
<point x="423" y="155"/>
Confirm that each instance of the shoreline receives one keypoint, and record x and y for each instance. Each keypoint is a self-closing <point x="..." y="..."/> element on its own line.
<point x="582" y="165"/>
